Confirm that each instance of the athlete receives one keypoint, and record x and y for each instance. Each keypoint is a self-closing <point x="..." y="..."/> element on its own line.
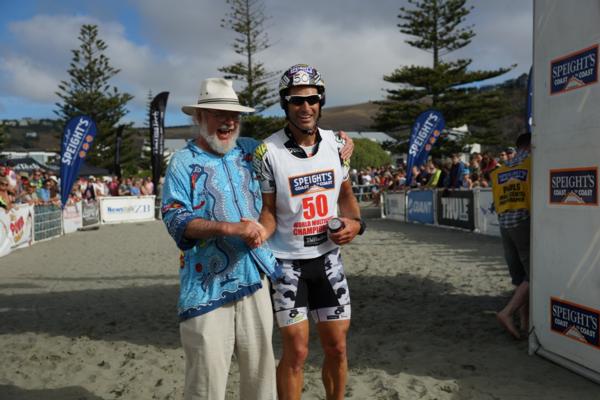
<point x="303" y="183"/>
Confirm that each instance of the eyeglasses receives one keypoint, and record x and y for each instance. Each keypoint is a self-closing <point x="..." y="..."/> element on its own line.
<point x="223" y="116"/>
<point x="299" y="100"/>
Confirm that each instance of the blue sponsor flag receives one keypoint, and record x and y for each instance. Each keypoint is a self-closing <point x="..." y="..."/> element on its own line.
<point x="529" y="115"/>
<point x="78" y="136"/>
<point x="425" y="132"/>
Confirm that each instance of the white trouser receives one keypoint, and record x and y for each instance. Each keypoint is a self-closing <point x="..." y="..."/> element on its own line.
<point x="209" y="341"/>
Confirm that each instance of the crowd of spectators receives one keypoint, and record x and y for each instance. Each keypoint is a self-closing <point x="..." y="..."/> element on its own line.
<point x="42" y="187"/>
<point x="449" y="173"/>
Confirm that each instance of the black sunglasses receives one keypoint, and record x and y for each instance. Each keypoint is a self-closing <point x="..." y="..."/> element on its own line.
<point x="299" y="100"/>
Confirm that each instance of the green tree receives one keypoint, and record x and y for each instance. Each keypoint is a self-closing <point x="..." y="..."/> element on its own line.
<point x="247" y="19"/>
<point x="89" y="92"/>
<point x="259" y="127"/>
<point x="368" y="153"/>
<point x="436" y="27"/>
<point x="3" y="137"/>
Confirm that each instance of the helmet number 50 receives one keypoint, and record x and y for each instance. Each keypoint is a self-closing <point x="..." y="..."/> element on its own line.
<point x="315" y="205"/>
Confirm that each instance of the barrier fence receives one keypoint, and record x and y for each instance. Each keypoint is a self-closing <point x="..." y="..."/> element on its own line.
<point x="471" y="210"/>
<point x="24" y="225"/>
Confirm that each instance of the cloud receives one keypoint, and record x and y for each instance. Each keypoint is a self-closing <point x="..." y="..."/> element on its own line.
<point x="172" y="47"/>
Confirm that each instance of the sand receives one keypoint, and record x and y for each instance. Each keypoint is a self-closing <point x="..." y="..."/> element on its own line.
<point x="92" y="316"/>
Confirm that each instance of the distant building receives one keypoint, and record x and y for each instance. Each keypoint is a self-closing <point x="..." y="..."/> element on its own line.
<point x="43" y="157"/>
<point x="379" y="137"/>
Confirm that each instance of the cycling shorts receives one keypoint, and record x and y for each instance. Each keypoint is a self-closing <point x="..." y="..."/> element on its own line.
<point x="317" y="285"/>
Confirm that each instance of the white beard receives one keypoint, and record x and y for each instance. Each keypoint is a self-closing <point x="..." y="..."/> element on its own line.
<point x="216" y="145"/>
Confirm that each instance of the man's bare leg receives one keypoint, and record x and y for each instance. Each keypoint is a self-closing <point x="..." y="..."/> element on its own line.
<point x="290" y="371"/>
<point x="505" y="316"/>
<point x="335" y="366"/>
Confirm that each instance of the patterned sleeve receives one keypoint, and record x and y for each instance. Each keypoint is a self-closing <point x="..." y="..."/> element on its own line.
<point x="345" y="164"/>
<point x="176" y="208"/>
<point x="263" y="170"/>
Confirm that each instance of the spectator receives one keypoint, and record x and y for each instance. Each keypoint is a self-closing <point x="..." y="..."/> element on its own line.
<point x="135" y="189"/>
<point x="457" y="172"/>
<point x="512" y="203"/>
<point x="147" y="187"/>
<point x="510" y="153"/>
<point x="125" y="187"/>
<point x="37" y="179"/>
<point x="435" y="173"/>
<point x="29" y="195"/>
<point x="44" y="192"/>
<point x="488" y="163"/>
<point x="113" y="186"/>
<point x="5" y="198"/>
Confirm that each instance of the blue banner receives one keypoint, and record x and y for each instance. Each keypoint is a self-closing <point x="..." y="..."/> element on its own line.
<point x="77" y="140"/>
<point x="529" y="112"/>
<point x="425" y="132"/>
<point x="420" y="206"/>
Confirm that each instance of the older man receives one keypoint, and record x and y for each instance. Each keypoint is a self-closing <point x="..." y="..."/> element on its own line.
<point x="210" y="204"/>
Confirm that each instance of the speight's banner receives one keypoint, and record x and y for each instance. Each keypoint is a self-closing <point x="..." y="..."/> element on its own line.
<point x="157" y="135"/>
<point x="78" y="136"/>
<point x="574" y="321"/>
<point x="574" y="71"/>
<point x="425" y="132"/>
<point x="574" y="186"/>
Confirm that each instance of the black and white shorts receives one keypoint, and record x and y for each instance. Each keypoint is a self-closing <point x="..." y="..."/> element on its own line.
<point x="317" y="285"/>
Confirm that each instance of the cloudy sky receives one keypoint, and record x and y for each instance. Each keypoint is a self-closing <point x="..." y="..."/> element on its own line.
<point x="173" y="45"/>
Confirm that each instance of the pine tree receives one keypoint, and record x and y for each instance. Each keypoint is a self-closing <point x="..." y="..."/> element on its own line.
<point x="89" y="92"/>
<point x="3" y="137"/>
<point x="247" y="19"/>
<point x="436" y="27"/>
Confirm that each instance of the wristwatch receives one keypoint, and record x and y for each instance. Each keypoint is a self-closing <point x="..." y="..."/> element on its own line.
<point x="363" y="225"/>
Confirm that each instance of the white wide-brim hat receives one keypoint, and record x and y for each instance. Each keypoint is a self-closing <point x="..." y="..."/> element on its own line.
<point x="217" y="94"/>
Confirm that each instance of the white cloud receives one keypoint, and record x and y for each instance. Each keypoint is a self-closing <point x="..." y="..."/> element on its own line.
<point x="177" y="44"/>
<point x="28" y="80"/>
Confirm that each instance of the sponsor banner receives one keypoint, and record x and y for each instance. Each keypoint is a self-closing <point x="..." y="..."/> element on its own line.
<point x="72" y="218"/>
<point x="395" y="205"/>
<point x="78" y="136"/>
<point x="574" y="186"/>
<point x="47" y="222"/>
<point x="21" y="225"/>
<point x="424" y="133"/>
<point x="114" y="210"/>
<point x="456" y="208"/>
<point x="574" y="71"/>
<point x="313" y="182"/>
<point x="486" y="217"/>
<point x="157" y="135"/>
<point x="5" y="237"/>
<point x="90" y="213"/>
<point x="574" y="321"/>
<point x="419" y="206"/>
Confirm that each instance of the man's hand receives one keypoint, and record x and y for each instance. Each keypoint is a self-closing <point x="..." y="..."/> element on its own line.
<point x="346" y="151"/>
<point x="253" y="233"/>
<point x="347" y="234"/>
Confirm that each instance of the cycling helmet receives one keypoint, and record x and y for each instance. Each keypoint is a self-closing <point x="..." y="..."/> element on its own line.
<point x="300" y="75"/>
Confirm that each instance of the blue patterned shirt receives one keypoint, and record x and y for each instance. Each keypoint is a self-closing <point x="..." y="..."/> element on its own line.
<point x="199" y="184"/>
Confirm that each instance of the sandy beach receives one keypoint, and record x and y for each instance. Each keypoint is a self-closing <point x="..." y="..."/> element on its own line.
<point x="92" y="316"/>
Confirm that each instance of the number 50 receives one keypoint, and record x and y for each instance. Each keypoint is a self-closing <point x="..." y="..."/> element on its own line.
<point x="316" y="205"/>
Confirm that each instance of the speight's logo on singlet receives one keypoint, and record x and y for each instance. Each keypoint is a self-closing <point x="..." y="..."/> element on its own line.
<point x="312" y="182"/>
